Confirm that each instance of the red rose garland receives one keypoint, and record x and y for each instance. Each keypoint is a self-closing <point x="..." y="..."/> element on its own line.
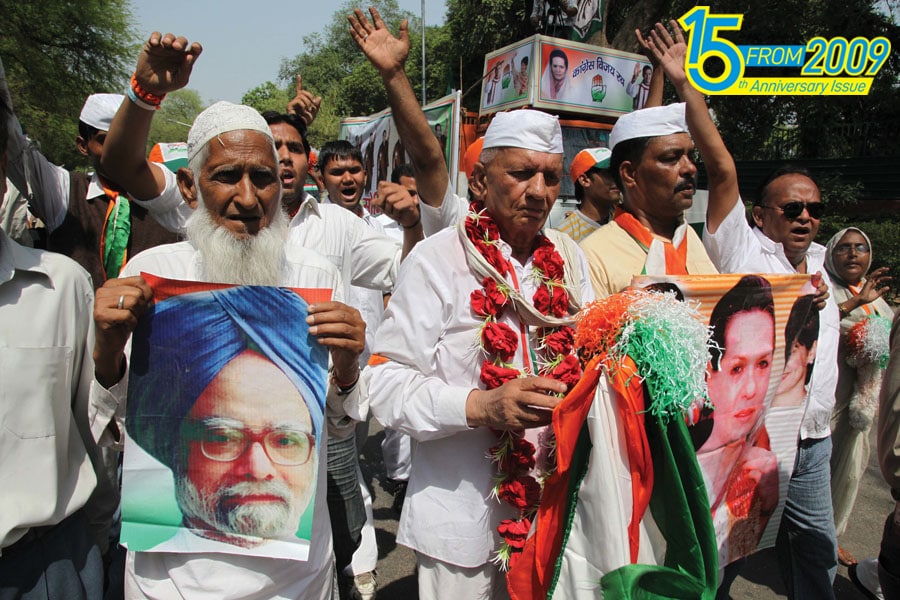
<point x="514" y="456"/>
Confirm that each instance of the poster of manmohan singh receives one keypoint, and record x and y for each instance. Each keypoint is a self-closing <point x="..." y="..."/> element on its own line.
<point x="224" y="423"/>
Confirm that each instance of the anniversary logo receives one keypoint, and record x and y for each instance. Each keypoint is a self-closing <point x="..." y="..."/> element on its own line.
<point x="823" y="67"/>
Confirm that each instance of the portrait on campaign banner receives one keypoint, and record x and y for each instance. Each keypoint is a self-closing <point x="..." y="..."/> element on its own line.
<point x="744" y="437"/>
<point x="224" y="421"/>
<point x="507" y="77"/>
<point x="581" y="78"/>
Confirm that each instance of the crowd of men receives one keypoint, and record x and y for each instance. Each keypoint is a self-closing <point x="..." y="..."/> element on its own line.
<point x="399" y="329"/>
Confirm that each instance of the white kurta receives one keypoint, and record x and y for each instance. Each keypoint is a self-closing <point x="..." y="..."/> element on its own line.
<point x="430" y="335"/>
<point x="166" y="575"/>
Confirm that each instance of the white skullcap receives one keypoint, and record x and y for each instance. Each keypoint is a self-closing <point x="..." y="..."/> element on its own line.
<point x="649" y="122"/>
<point x="526" y="129"/>
<point x="220" y="118"/>
<point x="99" y="109"/>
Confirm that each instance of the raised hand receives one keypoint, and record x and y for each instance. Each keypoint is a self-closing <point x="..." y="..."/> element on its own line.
<point x="666" y="51"/>
<point x="386" y="52"/>
<point x="875" y="286"/>
<point x="117" y="306"/>
<point x="395" y="201"/>
<point x="165" y="63"/>
<point x="304" y="104"/>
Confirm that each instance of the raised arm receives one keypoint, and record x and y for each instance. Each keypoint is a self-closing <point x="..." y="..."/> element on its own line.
<point x="164" y="66"/>
<point x="723" y="183"/>
<point x="388" y="54"/>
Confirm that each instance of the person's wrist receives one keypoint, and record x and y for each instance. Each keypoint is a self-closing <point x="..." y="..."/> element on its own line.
<point x="389" y="74"/>
<point x="475" y="408"/>
<point x="415" y="223"/>
<point x="141" y="96"/>
<point x="344" y="380"/>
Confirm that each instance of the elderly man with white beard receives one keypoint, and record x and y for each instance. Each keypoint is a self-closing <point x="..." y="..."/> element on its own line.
<point x="238" y="234"/>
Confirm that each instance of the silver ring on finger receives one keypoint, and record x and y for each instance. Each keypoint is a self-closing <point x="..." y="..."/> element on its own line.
<point x="121" y="303"/>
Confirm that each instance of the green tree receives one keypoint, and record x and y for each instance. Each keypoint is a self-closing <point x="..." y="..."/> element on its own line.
<point x="476" y="27"/>
<point x="174" y="118"/>
<point x="267" y="96"/>
<point x="56" y="53"/>
<point x="334" y="68"/>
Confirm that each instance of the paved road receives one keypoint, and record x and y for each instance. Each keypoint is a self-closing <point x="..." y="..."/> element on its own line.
<point x="759" y="581"/>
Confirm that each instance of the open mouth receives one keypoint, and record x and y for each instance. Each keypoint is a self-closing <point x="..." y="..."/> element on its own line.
<point x="348" y="194"/>
<point x="287" y="177"/>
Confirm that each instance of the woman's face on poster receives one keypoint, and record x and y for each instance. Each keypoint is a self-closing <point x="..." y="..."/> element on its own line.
<point x="795" y="368"/>
<point x="558" y="68"/>
<point x="738" y="388"/>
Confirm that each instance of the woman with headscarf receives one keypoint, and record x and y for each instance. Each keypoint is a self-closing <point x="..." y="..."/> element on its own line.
<point x="555" y="80"/>
<point x="848" y="259"/>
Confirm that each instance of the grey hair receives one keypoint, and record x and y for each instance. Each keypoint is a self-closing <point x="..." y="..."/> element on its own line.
<point x="487" y="155"/>
<point x="195" y="164"/>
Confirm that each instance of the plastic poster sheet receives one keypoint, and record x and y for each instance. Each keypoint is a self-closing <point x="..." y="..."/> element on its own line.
<point x="580" y="78"/>
<point x="562" y="76"/>
<point x="507" y="81"/>
<point x="766" y="327"/>
<point x="224" y="421"/>
<point x="377" y="138"/>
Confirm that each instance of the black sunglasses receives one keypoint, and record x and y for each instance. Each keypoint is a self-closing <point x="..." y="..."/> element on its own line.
<point x="792" y="210"/>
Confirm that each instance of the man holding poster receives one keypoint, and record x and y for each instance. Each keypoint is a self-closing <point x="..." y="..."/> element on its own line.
<point x="786" y="215"/>
<point x="238" y="234"/>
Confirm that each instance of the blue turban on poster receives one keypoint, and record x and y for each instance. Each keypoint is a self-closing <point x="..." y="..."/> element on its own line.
<point x="184" y="341"/>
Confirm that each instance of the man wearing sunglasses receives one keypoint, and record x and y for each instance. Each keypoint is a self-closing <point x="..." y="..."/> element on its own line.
<point x="786" y="215"/>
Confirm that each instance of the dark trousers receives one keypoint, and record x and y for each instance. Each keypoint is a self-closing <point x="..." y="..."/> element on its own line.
<point x="345" y="501"/>
<point x="61" y="562"/>
<point x="889" y="558"/>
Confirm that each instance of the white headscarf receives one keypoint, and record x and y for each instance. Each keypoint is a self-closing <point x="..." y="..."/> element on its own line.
<point x="833" y="242"/>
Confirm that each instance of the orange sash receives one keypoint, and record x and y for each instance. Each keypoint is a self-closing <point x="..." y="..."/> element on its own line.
<point x="676" y="257"/>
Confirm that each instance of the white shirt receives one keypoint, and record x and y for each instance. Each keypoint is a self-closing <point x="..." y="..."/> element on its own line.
<point x="363" y="256"/>
<point x="430" y="335"/>
<point x="369" y="303"/>
<point x="46" y="368"/>
<point x="453" y="209"/>
<point x="214" y="576"/>
<point x="391" y="228"/>
<point x="738" y="248"/>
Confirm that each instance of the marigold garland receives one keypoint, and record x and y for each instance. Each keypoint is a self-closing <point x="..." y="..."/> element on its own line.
<point x="514" y="457"/>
